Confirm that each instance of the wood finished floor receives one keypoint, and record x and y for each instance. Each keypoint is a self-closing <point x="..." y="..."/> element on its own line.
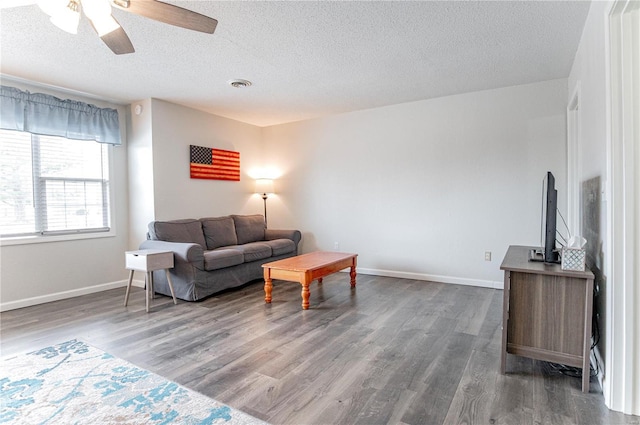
<point x="391" y="351"/>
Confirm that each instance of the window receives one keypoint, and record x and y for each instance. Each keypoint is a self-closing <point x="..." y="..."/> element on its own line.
<point x="52" y="185"/>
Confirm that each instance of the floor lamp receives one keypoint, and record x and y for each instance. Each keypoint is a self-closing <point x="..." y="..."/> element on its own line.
<point x="264" y="187"/>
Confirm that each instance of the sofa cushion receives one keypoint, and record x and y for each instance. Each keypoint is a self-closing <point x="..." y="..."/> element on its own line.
<point x="249" y="228"/>
<point x="221" y="258"/>
<point x="186" y="231"/>
<point x="254" y="251"/>
<point x="281" y="246"/>
<point x="219" y="231"/>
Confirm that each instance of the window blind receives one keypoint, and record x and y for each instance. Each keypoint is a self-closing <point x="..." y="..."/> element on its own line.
<point x="52" y="185"/>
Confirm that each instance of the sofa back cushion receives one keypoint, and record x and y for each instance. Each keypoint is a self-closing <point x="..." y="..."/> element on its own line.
<point x="249" y="228"/>
<point x="219" y="231"/>
<point x="186" y="231"/>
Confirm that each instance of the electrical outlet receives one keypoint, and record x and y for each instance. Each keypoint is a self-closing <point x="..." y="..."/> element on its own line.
<point x="487" y="256"/>
<point x="336" y="246"/>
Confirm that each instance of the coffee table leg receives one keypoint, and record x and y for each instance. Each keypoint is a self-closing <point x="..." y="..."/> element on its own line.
<point x="319" y="281"/>
<point x="305" y="295"/>
<point x="353" y="275"/>
<point x="268" y="286"/>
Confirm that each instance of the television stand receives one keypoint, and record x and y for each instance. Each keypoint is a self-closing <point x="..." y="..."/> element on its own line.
<point x="546" y="312"/>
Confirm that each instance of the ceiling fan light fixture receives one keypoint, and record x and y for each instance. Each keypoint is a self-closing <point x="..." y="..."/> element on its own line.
<point x="65" y="14"/>
<point x="67" y="19"/>
<point x="105" y="25"/>
<point x="52" y="7"/>
<point x="239" y="84"/>
<point x="96" y="9"/>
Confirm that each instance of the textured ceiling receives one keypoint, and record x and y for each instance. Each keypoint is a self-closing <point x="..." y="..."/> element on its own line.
<point x="305" y="59"/>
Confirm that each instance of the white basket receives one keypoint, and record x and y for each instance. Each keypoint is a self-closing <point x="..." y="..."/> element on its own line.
<point x="573" y="259"/>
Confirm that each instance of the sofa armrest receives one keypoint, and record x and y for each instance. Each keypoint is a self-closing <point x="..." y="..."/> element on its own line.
<point x="294" y="235"/>
<point x="182" y="252"/>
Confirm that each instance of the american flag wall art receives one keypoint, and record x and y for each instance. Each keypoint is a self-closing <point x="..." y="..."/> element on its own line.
<point x="214" y="164"/>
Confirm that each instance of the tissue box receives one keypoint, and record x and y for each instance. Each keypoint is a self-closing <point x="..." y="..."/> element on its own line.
<point x="573" y="259"/>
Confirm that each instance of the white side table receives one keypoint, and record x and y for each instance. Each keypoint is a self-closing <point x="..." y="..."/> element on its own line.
<point x="148" y="260"/>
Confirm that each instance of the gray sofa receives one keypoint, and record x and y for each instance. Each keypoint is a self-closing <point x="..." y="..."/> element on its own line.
<point x="216" y="253"/>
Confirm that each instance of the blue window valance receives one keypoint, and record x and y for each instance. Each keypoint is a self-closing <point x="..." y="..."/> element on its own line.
<point x="44" y="114"/>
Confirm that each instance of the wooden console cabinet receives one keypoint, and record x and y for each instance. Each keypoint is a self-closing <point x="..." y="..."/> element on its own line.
<point x="546" y="312"/>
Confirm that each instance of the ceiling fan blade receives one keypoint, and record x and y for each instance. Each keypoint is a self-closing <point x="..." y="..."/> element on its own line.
<point x="169" y="14"/>
<point x="117" y="40"/>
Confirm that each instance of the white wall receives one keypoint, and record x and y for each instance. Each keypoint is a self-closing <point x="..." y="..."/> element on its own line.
<point x="423" y="189"/>
<point x="620" y="375"/>
<point x="141" y="173"/>
<point x="589" y="73"/>
<point x="153" y="184"/>
<point x="42" y="272"/>
<point x="161" y="138"/>
<point x="417" y="190"/>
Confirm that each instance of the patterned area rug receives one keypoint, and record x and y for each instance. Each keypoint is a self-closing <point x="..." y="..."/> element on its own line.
<point x="75" y="383"/>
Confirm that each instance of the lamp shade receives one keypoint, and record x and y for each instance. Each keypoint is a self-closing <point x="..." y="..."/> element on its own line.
<point x="67" y="18"/>
<point x="96" y="9"/>
<point x="52" y="7"/>
<point x="99" y="12"/>
<point x="105" y="25"/>
<point x="264" y="186"/>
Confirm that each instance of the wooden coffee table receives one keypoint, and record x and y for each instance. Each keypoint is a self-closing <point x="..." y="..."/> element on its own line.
<point x="306" y="268"/>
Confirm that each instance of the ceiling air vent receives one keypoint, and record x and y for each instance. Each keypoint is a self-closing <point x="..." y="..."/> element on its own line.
<point x="239" y="83"/>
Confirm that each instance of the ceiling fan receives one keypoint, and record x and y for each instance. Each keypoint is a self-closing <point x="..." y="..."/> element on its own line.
<point x="66" y="15"/>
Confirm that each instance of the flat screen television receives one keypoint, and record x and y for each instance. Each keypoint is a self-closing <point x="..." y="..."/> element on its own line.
<point x="548" y="252"/>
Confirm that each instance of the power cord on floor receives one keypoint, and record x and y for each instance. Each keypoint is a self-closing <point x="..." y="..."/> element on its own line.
<point x="574" y="372"/>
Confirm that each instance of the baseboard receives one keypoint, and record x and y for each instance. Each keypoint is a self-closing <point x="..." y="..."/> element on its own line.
<point x="27" y="302"/>
<point x="434" y="278"/>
